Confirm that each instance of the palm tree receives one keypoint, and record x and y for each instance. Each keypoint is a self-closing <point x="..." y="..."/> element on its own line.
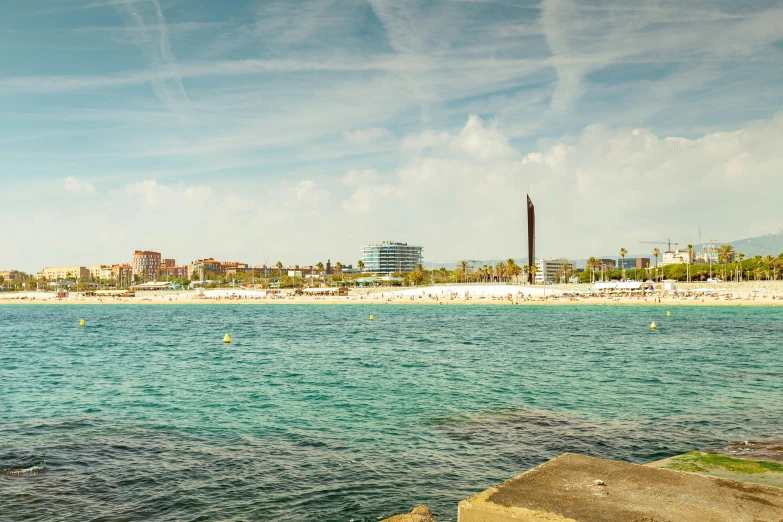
<point x="320" y="268"/>
<point x="513" y="269"/>
<point x="463" y="266"/>
<point x="656" y="253"/>
<point x="725" y="254"/>
<point x="623" y="253"/>
<point x="757" y="259"/>
<point x="592" y="264"/>
<point x="500" y="271"/>
<point x="338" y="266"/>
<point x="768" y="260"/>
<point x="690" y="260"/>
<point x="740" y="257"/>
<point x="360" y="265"/>
<point x="565" y="269"/>
<point x="279" y="266"/>
<point x="530" y="271"/>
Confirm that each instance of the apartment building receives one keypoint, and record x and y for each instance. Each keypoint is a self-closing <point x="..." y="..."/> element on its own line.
<point x="209" y="264"/>
<point x="548" y="269"/>
<point x="391" y="256"/>
<point x="122" y="272"/>
<point x="65" y="272"/>
<point x="101" y="272"/>
<point x="676" y="257"/>
<point x="146" y="263"/>
<point x="9" y="275"/>
<point x="181" y="272"/>
<point x="642" y="262"/>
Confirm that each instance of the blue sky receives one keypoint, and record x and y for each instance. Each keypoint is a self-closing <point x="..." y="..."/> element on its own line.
<point x="298" y="131"/>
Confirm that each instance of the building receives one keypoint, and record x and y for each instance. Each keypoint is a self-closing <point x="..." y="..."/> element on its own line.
<point x="9" y="275"/>
<point x="122" y="273"/>
<point x="550" y="270"/>
<point x="209" y="266"/>
<point x="146" y="263"/>
<point x="390" y="256"/>
<point x="181" y="272"/>
<point x="608" y="264"/>
<point x="233" y="267"/>
<point x="168" y="263"/>
<point x="642" y="262"/>
<point x="676" y="257"/>
<point x="65" y="272"/>
<point x="628" y="263"/>
<point x="101" y="272"/>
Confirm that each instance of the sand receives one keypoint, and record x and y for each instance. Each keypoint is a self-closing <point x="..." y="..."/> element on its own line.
<point x="742" y="294"/>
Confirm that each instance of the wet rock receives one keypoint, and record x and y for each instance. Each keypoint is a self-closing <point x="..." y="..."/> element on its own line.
<point x="418" y="514"/>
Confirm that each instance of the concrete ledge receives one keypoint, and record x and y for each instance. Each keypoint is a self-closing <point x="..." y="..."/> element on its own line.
<point x="577" y="488"/>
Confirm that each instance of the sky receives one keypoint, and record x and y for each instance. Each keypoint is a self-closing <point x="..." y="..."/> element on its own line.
<point x="298" y="131"/>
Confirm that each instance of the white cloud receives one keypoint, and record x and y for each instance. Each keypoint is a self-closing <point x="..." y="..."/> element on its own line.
<point x="594" y="192"/>
<point x="475" y="141"/>
<point x="75" y="186"/>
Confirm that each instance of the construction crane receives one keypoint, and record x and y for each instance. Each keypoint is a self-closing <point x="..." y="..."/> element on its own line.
<point x="663" y="242"/>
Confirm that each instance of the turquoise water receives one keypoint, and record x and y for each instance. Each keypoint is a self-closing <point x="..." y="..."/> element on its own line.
<point x="317" y="413"/>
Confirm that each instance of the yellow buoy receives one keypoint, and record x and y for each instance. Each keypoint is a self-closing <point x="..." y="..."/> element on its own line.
<point x="668" y="314"/>
<point x="81" y="322"/>
<point x="227" y="339"/>
<point x="653" y="326"/>
<point x="372" y="317"/>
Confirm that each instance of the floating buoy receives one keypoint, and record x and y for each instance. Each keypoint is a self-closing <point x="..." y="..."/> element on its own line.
<point x="668" y="314"/>
<point x="81" y="322"/>
<point x="227" y="339"/>
<point x="653" y="326"/>
<point x="372" y="317"/>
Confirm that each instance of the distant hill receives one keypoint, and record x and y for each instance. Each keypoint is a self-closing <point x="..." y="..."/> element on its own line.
<point x="753" y="246"/>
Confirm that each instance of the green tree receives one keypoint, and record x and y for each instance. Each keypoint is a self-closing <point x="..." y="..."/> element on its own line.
<point x="279" y="266"/>
<point x="740" y="257"/>
<point x="338" y="266"/>
<point x="592" y="264"/>
<point x="500" y="271"/>
<point x="725" y="254"/>
<point x="530" y="272"/>
<point x="463" y="268"/>
<point x="320" y="267"/>
<point x="514" y="270"/>
<point x="360" y="265"/>
<point x="656" y="253"/>
<point x="623" y="253"/>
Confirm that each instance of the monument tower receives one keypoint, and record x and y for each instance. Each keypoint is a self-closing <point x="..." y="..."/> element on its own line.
<point x="531" y="236"/>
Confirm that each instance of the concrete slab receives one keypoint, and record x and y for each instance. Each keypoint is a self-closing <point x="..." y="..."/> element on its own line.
<point x="586" y="489"/>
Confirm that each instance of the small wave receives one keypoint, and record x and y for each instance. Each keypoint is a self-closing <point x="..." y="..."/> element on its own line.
<point x="32" y="470"/>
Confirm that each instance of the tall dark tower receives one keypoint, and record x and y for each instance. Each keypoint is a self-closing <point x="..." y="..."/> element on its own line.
<point x="531" y="236"/>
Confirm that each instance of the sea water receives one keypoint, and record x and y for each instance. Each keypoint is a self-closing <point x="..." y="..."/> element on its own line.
<point x="318" y="413"/>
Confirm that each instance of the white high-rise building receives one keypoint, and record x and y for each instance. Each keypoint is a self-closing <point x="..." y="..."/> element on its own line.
<point x="390" y="256"/>
<point x="548" y="269"/>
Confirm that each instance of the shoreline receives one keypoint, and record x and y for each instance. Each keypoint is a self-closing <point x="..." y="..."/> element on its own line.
<point x="732" y="295"/>
<point x="759" y="302"/>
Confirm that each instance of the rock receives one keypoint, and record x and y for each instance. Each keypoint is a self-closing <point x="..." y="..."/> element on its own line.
<point x="418" y="514"/>
<point x="598" y="482"/>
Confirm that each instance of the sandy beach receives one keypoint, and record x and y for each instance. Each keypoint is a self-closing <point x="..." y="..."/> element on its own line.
<point x="767" y="293"/>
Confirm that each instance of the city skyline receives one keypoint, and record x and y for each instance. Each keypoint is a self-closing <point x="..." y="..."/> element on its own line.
<point x="285" y="129"/>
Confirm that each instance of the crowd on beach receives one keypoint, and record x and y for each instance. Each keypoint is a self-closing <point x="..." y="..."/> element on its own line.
<point x="437" y="295"/>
